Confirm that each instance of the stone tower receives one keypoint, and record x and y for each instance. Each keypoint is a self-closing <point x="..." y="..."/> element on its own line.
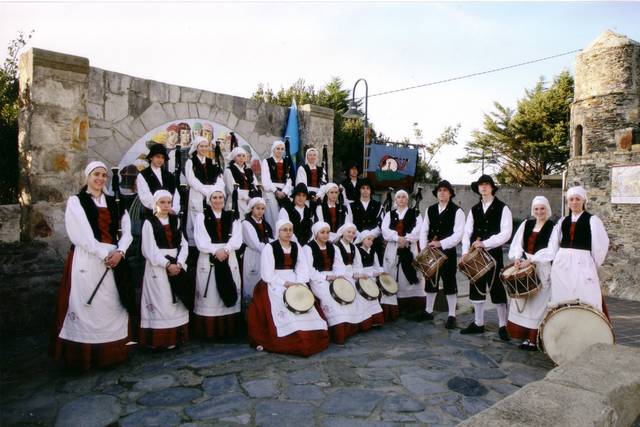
<point x="605" y="133"/>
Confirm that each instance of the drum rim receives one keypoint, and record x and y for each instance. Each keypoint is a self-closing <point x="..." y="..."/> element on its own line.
<point x="336" y="297"/>
<point x="364" y="293"/>
<point x="383" y="289"/>
<point x="293" y="309"/>
<point x="565" y="306"/>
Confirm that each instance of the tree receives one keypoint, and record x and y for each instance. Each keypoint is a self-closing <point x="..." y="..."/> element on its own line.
<point x="9" y="107"/>
<point x="348" y="134"/>
<point x="529" y="142"/>
<point x="425" y="171"/>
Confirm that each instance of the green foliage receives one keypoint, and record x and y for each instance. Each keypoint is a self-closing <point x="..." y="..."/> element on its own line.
<point x="529" y="142"/>
<point x="425" y="172"/>
<point x="348" y="134"/>
<point x="9" y="108"/>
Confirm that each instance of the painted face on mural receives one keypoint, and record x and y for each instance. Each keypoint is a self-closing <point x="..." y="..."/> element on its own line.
<point x="172" y="140"/>
<point x="185" y="137"/>
<point x="208" y="134"/>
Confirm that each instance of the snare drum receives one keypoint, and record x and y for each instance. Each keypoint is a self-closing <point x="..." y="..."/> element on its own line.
<point x="298" y="298"/>
<point x="520" y="283"/>
<point x="569" y="328"/>
<point x="342" y="291"/>
<point x="368" y="289"/>
<point x="476" y="264"/>
<point x="429" y="261"/>
<point x="387" y="284"/>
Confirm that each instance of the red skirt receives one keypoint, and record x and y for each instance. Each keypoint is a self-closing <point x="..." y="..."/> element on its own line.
<point x="390" y="312"/>
<point x="77" y="355"/>
<point x="340" y="332"/>
<point x="412" y="305"/>
<point x="262" y="330"/>
<point x="521" y="333"/>
<point x="164" y="338"/>
<point x="216" y="327"/>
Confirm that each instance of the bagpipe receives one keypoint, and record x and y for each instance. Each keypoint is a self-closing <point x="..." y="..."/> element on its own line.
<point x="182" y="189"/>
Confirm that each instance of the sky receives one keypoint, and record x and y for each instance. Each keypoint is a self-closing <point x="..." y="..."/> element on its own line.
<point x="232" y="47"/>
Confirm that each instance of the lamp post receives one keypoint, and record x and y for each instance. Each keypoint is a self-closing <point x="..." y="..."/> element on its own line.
<point x="354" y="113"/>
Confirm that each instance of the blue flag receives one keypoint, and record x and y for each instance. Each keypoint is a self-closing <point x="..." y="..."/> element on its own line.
<point x="291" y="131"/>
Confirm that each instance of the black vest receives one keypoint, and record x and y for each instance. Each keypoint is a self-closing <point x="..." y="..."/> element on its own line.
<point x="301" y="226"/>
<point x="367" y="258"/>
<point x="227" y="225"/>
<point x="168" y="181"/>
<point x="278" y="254"/>
<point x="542" y="240"/>
<point x="91" y="212"/>
<point x="341" y="215"/>
<point x="486" y="224"/>
<point x="350" y="190"/>
<point x="208" y="176"/>
<point x="160" y="236"/>
<point x="365" y="219"/>
<point x="268" y="233"/>
<point x="307" y="169"/>
<point x="317" y="255"/>
<point x="581" y="234"/>
<point x="409" y="220"/>
<point x="273" y="173"/>
<point x="237" y="176"/>
<point x="347" y="258"/>
<point x="441" y="224"/>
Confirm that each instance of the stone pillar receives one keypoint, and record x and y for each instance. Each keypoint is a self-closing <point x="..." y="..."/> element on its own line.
<point x="316" y="129"/>
<point x="52" y="138"/>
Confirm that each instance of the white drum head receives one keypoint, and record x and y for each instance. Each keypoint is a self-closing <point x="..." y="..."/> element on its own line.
<point x="568" y="330"/>
<point x="388" y="284"/>
<point x="343" y="290"/>
<point x="299" y="298"/>
<point x="370" y="288"/>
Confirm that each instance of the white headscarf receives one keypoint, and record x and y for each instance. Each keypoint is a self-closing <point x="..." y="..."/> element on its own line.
<point x="161" y="194"/>
<point x="306" y="155"/>
<point x="541" y="201"/>
<point x="273" y="147"/>
<point x="343" y="228"/>
<point x="364" y="234"/>
<point x="325" y="189"/>
<point x="255" y="201"/>
<point x="217" y="188"/>
<point x="318" y="226"/>
<point x="235" y="152"/>
<point x="194" y="145"/>
<point x="577" y="191"/>
<point x="281" y="223"/>
<point x="94" y="165"/>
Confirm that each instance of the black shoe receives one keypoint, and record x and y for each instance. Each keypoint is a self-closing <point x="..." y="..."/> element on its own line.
<point x="451" y="322"/>
<point x="422" y="316"/>
<point x="473" y="329"/>
<point x="503" y="334"/>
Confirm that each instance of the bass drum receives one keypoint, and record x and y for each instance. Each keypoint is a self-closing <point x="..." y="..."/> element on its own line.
<point x="569" y="328"/>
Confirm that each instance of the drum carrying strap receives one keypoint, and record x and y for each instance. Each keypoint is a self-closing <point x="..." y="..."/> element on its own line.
<point x="489" y="285"/>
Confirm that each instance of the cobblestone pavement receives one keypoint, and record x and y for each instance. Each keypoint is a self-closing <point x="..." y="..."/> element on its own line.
<point x="401" y="374"/>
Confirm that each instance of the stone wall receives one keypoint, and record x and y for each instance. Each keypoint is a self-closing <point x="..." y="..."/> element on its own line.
<point x="73" y="113"/>
<point x="607" y="110"/>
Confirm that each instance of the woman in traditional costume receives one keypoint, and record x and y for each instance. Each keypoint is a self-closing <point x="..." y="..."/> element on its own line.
<point x="276" y="182"/>
<point x="371" y="268"/>
<point x="164" y="319"/>
<point x="401" y="229"/>
<point x="310" y="174"/>
<point x="331" y="210"/>
<point x="584" y="244"/>
<point x="272" y="325"/>
<point x="256" y="234"/>
<point x="325" y="264"/>
<point x="218" y="235"/>
<point x="533" y="243"/>
<point x="91" y="327"/>
<point x="239" y="174"/>
<point x="354" y="270"/>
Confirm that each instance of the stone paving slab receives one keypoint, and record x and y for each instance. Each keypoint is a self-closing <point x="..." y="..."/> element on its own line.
<point x="404" y="373"/>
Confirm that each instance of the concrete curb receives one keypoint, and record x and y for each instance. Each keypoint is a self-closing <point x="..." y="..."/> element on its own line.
<point x="601" y="387"/>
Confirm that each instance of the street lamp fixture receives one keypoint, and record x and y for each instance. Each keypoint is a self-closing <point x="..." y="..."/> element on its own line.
<point x="354" y="113"/>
